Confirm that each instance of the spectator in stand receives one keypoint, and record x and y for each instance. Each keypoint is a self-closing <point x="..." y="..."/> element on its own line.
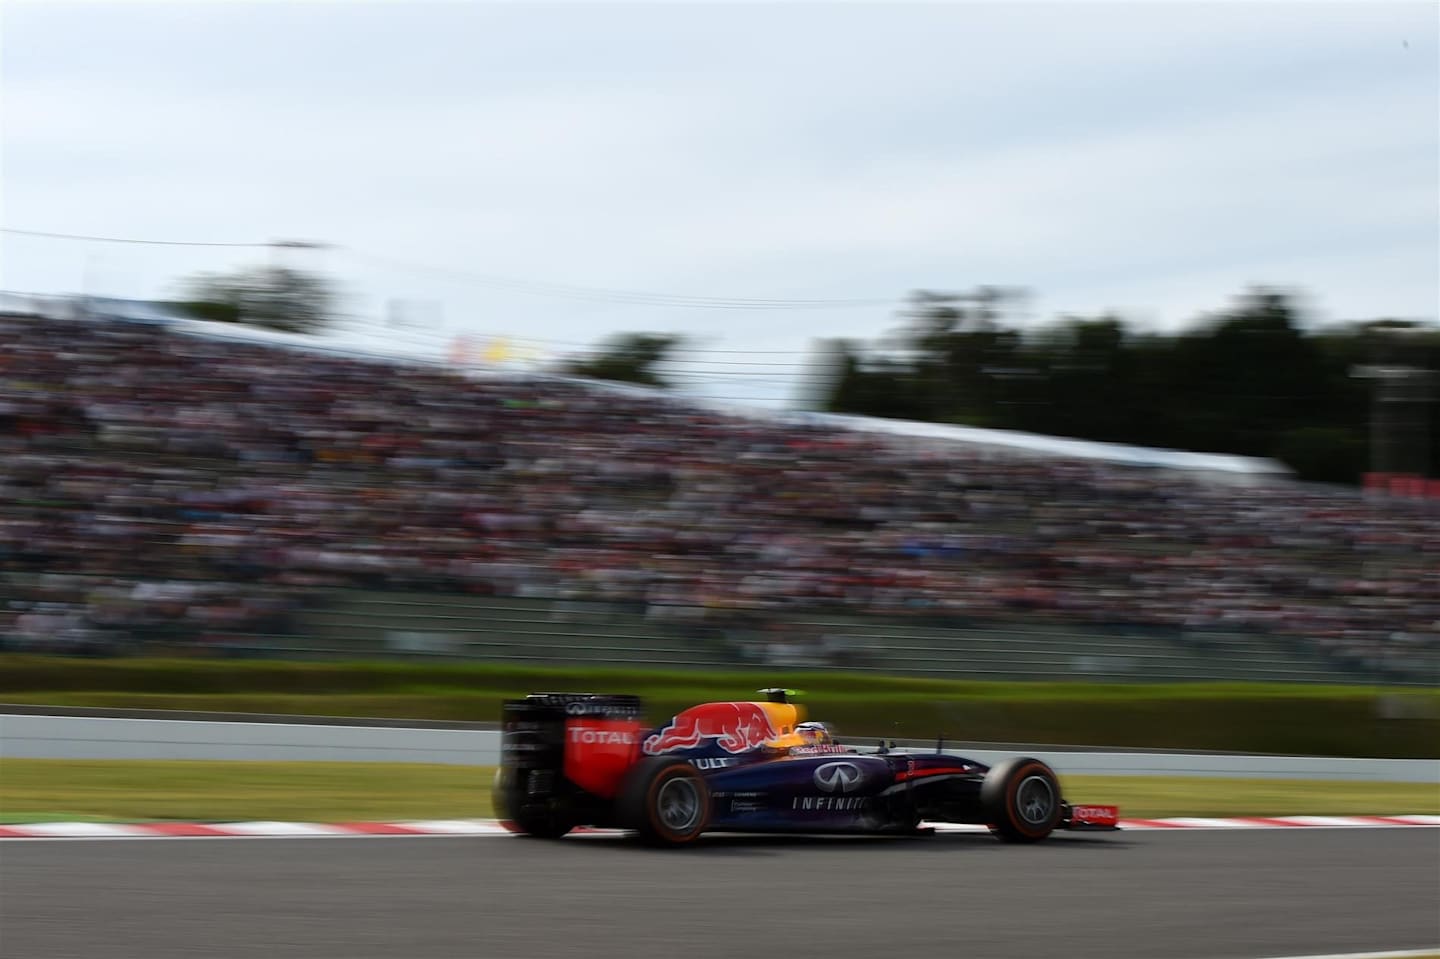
<point x="195" y="486"/>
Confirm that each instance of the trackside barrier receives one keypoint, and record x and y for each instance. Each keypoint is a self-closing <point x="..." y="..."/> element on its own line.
<point x="77" y="737"/>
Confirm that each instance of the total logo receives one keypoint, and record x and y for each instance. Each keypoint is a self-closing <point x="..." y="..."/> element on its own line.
<point x="838" y="777"/>
<point x="603" y="737"/>
<point x="1099" y="815"/>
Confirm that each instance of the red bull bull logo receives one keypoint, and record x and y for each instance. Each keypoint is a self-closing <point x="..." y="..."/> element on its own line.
<point x="735" y="728"/>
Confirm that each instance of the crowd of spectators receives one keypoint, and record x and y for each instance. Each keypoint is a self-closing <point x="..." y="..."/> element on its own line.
<point x="109" y="615"/>
<point x="204" y="486"/>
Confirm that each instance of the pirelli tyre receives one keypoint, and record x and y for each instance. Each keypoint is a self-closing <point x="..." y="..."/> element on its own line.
<point x="1021" y="799"/>
<point x="500" y="795"/>
<point x="550" y="820"/>
<point x="665" y="802"/>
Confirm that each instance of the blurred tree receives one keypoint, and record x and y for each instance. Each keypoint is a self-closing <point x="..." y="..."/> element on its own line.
<point x="876" y="386"/>
<point x="274" y="297"/>
<point x="1250" y="380"/>
<point x="1323" y="454"/>
<point x="1245" y="377"/>
<point x="952" y="360"/>
<point x="1086" y="380"/>
<point x="627" y="358"/>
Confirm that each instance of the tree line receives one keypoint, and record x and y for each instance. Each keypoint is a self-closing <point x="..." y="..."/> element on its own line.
<point x="1252" y="380"/>
<point x="1331" y="402"/>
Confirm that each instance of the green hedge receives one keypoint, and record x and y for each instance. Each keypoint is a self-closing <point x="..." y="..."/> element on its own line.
<point x="1279" y="718"/>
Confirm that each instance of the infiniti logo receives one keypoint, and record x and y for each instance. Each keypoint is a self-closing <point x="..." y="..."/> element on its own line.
<point x="838" y="777"/>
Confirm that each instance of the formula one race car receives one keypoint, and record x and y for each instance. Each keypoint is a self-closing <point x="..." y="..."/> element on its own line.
<point x="583" y="759"/>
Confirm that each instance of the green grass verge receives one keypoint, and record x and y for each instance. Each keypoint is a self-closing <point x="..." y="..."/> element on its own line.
<point x="1144" y="797"/>
<point x="1251" y="717"/>
<point x="182" y="790"/>
<point x="33" y="790"/>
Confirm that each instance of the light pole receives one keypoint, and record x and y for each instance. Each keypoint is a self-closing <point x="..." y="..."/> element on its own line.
<point x="1399" y="407"/>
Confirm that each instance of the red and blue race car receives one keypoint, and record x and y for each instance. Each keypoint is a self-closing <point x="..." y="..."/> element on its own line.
<point x="585" y="759"/>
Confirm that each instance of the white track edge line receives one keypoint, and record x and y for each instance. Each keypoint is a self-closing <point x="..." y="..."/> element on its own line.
<point x="1393" y="954"/>
<point x="317" y="835"/>
<point x="455" y="829"/>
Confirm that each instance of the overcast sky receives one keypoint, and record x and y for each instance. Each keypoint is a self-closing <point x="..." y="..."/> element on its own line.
<point x="1149" y="158"/>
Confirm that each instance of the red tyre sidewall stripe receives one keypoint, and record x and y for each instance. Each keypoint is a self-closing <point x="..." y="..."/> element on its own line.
<point x="651" y="809"/>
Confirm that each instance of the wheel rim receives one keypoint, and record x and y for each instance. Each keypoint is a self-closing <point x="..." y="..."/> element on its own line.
<point x="678" y="805"/>
<point x="1035" y="800"/>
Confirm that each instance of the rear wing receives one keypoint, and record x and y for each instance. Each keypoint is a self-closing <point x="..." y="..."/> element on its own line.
<point x="553" y="743"/>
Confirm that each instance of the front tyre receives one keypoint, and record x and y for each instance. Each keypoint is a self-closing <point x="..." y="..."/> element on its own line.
<point x="1021" y="799"/>
<point x="665" y="801"/>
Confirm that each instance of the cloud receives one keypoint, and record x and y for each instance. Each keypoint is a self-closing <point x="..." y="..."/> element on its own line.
<point x="1149" y="157"/>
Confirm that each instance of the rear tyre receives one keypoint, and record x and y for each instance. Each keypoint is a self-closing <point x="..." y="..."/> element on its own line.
<point x="1021" y="799"/>
<point x="500" y="795"/>
<point x="550" y="820"/>
<point x="665" y="801"/>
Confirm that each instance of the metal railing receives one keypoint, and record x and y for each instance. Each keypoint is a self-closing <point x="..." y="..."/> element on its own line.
<point x="351" y="624"/>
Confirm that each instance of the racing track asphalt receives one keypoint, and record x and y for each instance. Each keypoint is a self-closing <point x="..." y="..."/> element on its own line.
<point x="1183" y="895"/>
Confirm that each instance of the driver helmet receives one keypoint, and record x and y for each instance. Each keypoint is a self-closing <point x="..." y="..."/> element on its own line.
<point x="814" y="734"/>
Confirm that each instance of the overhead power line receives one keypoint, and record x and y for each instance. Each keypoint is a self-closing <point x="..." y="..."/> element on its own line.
<point x="508" y="284"/>
<point x="124" y="239"/>
<point x="623" y="297"/>
<point x="582" y="350"/>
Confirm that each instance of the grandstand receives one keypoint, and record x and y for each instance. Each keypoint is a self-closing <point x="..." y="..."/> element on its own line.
<point x="532" y="631"/>
<point x="162" y="489"/>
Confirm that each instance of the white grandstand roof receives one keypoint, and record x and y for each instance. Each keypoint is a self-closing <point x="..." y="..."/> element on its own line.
<point x="383" y="350"/>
